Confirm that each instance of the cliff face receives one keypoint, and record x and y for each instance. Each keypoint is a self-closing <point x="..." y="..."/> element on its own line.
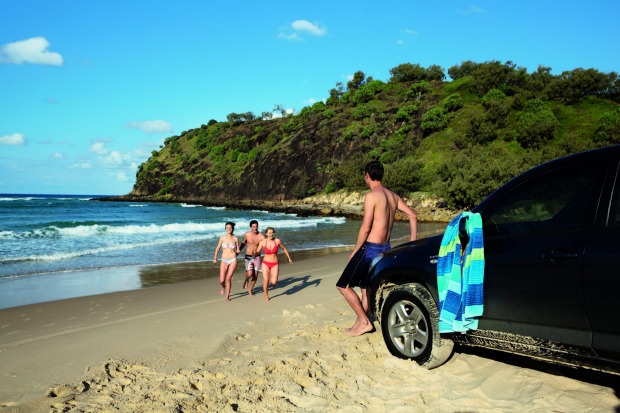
<point x="274" y="161"/>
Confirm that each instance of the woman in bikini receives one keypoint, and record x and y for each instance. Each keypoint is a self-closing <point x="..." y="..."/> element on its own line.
<point x="270" y="268"/>
<point x="230" y="248"/>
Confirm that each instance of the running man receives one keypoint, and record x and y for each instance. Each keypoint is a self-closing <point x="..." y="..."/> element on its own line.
<point x="253" y="261"/>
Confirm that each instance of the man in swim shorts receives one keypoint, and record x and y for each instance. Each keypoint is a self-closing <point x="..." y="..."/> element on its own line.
<point x="253" y="261"/>
<point x="380" y="206"/>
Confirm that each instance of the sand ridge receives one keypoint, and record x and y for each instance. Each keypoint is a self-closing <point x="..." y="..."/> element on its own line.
<point x="307" y="364"/>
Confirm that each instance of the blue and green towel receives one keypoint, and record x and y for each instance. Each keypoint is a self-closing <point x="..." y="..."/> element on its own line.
<point x="460" y="276"/>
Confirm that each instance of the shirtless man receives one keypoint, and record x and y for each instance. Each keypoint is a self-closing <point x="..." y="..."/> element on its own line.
<point x="380" y="205"/>
<point x="253" y="260"/>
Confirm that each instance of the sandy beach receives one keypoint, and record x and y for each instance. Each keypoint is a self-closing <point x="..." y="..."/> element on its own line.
<point x="182" y="347"/>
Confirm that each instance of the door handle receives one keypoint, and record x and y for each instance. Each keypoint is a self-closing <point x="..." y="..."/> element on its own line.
<point x="560" y="255"/>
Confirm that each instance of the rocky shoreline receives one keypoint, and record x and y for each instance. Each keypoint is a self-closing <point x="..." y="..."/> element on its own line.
<point x="345" y="204"/>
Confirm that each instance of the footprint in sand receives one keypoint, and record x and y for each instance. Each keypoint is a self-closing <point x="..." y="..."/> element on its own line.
<point x="243" y="337"/>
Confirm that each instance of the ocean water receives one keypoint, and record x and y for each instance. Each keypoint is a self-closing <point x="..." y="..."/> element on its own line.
<point x="56" y="235"/>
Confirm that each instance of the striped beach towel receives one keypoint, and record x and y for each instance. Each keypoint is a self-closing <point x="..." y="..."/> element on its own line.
<point x="460" y="276"/>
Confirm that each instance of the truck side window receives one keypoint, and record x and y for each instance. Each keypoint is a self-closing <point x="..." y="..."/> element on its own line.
<point x="553" y="200"/>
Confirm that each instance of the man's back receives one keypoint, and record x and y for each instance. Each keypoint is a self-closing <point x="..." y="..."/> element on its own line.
<point x="384" y="204"/>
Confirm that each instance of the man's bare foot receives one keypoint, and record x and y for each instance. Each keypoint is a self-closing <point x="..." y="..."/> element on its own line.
<point x="266" y="297"/>
<point x="361" y="329"/>
<point x="245" y="285"/>
<point x="353" y="327"/>
<point x="251" y="294"/>
<point x="222" y="291"/>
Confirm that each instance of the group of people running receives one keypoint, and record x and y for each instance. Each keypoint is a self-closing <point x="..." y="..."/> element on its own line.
<point x="255" y="243"/>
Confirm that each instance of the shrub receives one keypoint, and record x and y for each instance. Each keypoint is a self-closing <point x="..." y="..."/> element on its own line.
<point x="373" y="154"/>
<point x="368" y="91"/>
<point x="291" y="125"/>
<point x="233" y="155"/>
<point x="349" y="173"/>
<point x="403" y="175"/>
<point x="493" y="95"/>
<point x="352" y="130"/>
<point x="405" y="113"/>
<point x="535" y="124"/>
<point x="416" y="91"/>
<point x="217" y="152"/>
<point x="453" y="102"/>
<point x="366" y="110"/>
<point x="480" y="131"/>
<point x="329" y="113"/>
<point x="608" y="131"/>
<point x="469" y="176"/>
<point x="273" y="138"/>
<point x="330" y="187"/>
<point x="435" y="119"/>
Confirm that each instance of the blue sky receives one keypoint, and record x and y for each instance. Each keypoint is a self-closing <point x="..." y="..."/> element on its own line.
<point x="90" y="88"/>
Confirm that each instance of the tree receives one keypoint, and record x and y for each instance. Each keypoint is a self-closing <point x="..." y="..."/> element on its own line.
<point x="434" y="72"/>
<point x="335" y="94"/>
<point x="280" y="109"/>
<point x="359" y="78"/>
<point x="491" y="75"/>
<point x="464" y="69"/>
<point x="540" y="79"/>
<point x="237" y="118"/>
<point x="407" y="72"/>
<point x="579" y="83"/>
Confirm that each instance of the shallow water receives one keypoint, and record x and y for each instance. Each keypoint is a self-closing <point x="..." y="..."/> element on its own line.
<point x="54" y="242"/>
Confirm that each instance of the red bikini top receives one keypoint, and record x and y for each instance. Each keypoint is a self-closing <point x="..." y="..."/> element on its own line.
<point x="271" y="251"/>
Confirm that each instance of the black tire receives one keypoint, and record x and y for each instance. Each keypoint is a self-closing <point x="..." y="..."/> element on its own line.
<point x="410" y="326"/>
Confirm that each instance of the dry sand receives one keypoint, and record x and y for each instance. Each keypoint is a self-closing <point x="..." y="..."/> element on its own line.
<point x="181" y="347"/>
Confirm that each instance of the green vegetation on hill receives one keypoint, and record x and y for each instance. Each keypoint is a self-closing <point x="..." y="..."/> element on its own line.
<point x="459" y="139"/>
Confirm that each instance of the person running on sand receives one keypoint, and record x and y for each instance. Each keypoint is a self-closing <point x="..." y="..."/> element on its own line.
<point x="271" y="269"/>
<point x="252" y="259"/>
<point x="230" y="248"/>
<point x="380" y="205"/>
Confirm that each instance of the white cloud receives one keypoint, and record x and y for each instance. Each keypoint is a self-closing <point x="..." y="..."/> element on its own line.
<point x="411" y="32"/>
<point x="57" y="156"/>
<point x="121" y="176"/>
<point x="115" y="158"/>
<point x="15" y="139"/>
<point x="32" y="51"/>
<point x="99" y="148"/>
<point x="300" y="27"/>
<point x="306" y="26"/>
<point x="288" y="111"/>
<point x="473" y="10"/>
<point x="290" y="36"/>
<point x="151" y="126"/>
<point x="82" y="164"/>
